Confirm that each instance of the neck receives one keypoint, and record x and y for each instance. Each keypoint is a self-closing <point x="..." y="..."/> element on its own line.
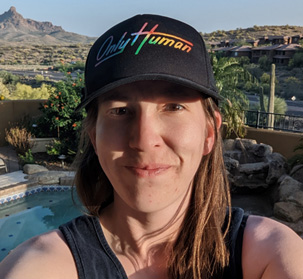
<point x="144" y="238"/>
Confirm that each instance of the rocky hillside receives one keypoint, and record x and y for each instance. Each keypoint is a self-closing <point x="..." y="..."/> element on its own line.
<point x="15" y="29"/>
<point x="253" y="33"/>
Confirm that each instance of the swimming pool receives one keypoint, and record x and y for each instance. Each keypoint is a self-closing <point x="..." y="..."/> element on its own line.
<point x="23" y="218"/>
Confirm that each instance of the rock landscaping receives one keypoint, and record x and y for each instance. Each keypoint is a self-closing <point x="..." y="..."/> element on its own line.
<point x="255" y="171"/>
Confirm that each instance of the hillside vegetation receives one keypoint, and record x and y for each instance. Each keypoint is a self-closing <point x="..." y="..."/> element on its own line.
<point x="42" y="54"/>
<point x="253" y="33"/>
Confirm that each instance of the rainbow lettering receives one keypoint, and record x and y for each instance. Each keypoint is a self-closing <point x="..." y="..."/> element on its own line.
<point x="109" y="50"/>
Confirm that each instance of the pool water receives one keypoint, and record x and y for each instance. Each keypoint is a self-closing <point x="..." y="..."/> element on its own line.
<point x="26" y="217"/>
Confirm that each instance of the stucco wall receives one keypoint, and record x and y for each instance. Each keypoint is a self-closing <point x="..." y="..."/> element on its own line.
<point x="14" y="111"/>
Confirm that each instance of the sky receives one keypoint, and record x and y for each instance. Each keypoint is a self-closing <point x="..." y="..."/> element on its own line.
<point x="94" y="17"/>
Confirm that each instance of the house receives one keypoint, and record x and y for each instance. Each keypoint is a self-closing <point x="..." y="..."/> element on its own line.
<point x="278" y="49"/>
<point x="258" y="52"/>
<point x="283" y="40"/>
<point x="296" y="39"/>
<point x="241" y="51"/>
<point x="284" y="53"/>
<point x="254" y="43"/>
<point x="224" y="51"/>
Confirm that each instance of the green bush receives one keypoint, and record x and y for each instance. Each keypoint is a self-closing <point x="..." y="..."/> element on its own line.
<point x="8" y="78"/>
<point x="59" y="119"/>
<point x="297" y="60"/>
<point x="28" y="158"/>
<point x="264" y="63"/>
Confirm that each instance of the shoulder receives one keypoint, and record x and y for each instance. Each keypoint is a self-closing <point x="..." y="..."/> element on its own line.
<point x="46" y="254"/>
<point x="271" y="250"/>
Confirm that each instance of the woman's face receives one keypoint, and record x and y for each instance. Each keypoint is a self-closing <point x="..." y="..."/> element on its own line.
<point x="150" y="137"/>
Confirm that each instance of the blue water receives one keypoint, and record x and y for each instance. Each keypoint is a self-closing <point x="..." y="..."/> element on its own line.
<point x="33" y="215"/>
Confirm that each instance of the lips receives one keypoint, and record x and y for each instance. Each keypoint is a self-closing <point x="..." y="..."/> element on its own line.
<point x="148" y="170"/>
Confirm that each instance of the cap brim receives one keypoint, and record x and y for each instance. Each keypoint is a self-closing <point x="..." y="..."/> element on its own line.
<point x="164" y="77"/>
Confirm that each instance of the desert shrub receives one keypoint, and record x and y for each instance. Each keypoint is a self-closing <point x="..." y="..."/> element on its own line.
<point x="39" y="78"/>
<point x="19" y="137"/>
<point x="24" y="91"/>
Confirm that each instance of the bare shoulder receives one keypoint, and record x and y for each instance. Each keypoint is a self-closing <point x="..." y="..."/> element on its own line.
<point x="46" y="254"/>
<point x="271" y="250"/>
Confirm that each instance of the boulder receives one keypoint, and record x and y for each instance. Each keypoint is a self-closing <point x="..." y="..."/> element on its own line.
<point x="67" y="180"/>
<point x="288" y="211"/>
<point x="33" y="168"/>
<point x="228" y="145"/>
<point x="231" y="165"/>
<point x="253" y="168"/>
<point x="233" y="154"/>
<point x="297" y="173"/>
<point x="288" y="186"/>
<point x="277" y="167"/>
<point x="244" y="144"/>
<point x="297" y="198"/>
<point x="47" y="177"/>
<point x="262" y="150"/>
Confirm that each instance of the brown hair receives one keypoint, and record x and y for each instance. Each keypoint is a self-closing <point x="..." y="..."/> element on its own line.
<point x="199" y="250"/>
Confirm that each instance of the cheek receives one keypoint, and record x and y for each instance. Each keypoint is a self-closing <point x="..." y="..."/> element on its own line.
<point x="109" y="137"/>
<point x="189" y="138"/>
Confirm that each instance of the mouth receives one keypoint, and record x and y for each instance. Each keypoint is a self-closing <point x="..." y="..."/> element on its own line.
<point x="148" y="170"/>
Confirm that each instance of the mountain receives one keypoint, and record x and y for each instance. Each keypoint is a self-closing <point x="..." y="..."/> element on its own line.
<point x="15" y="29"/>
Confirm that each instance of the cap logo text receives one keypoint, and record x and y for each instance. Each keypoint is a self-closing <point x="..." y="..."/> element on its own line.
<point x="109" y="49"/>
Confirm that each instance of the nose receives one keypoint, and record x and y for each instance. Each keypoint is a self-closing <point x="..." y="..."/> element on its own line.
<point x="145" y="132"/>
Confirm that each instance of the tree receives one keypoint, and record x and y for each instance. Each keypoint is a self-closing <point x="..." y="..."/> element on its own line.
<point x="59" y="119"/>
<point x="228" y="72"/>
<point x="264" y="63"/>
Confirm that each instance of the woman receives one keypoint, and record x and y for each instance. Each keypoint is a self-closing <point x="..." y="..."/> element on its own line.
<point x="151" y="174"/>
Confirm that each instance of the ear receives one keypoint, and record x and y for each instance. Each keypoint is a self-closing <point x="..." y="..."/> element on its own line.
<point x="210" y="133"/>
<point x="92" y="137"/>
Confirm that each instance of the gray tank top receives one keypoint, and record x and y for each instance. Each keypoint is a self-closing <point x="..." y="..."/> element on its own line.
<point x="95" y="259"/>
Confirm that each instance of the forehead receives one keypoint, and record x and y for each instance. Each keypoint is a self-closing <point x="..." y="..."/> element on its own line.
<point x="151" y="90"/>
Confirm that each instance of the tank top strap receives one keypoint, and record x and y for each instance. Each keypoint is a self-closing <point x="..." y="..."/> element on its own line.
<point x="234" y="242"/>
<point x="92" y="254"/>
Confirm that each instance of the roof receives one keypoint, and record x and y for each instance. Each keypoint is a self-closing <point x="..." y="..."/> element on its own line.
<point x="242" y="48"/>
<point x="267" y="47"/>
<point x="225" y="48"/>
<point x="289" y="47"/>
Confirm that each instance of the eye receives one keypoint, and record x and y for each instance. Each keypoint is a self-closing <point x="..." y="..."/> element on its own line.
<point x="119" y="111"/>
<point x="174" y="107"/>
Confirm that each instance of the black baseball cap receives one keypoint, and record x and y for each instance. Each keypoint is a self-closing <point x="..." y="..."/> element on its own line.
<point x="148" y="47"/>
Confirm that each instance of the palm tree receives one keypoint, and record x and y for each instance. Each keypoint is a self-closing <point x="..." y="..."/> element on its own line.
<point x="228" y="72"/>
